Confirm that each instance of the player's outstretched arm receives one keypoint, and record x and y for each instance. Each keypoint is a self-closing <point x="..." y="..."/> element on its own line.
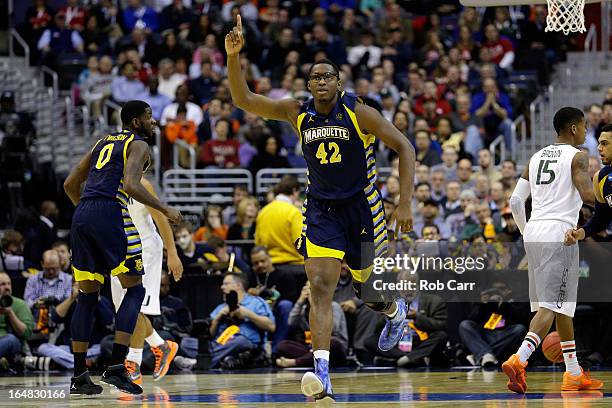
<point x="165" y="231"/>
<point x="137" y="154"/>
<point x="78" y="175"/>
<point x="581" y="179"/>
<point x="372" y="122"/>
<point x="285" y="109"/>
<point x="517" y="200"/>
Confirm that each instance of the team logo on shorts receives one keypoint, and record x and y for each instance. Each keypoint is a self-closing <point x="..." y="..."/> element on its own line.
<point x="339" y="116"/>
<point x="138" y="265"/>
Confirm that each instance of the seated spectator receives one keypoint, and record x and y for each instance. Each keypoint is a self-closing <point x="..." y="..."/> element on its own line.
<point x="156" y="100"/>
<point x="269" y="155"/>
<point x="63" y="250"/>
<point x="501" y="49"/>
<point x="229" y="213"/>
<point x="509" y="176"/>
<point x="429" y="215"/>
<point x="495" y="109"/>
<point x="464" y="174"/>
<point x="279" y="224"/>
<point x="43" y="233"/>
<point x="13" y="123"/>
<point x="242" y="329"/>
<point x="60" y="352"/>
<point x="246" y="214"/>
<point x="180" y="128"/>
<point x="203" y="88"/>
<point x="212" y="225"/>
<point x="12" y="261"/>
<point x="298" y="352"/>
<point x="138" y="15"/>
<point x="438" y="182"/>
<point x="97" y="86"/>
<point x="487" y="167"/>
<point x="494" y="328"/>
<point x="127" y="86"/>
<point x="227" y="260"/>
<point x="59" y="39"/>
<point x="221" y="152"/>
<point x="425" y="153"/>
<point x="188" y="251"/>
<point x="425" y="338"/>
<point x="194" y="113"/>
<point x="450" y="203"/>
<point x="459" y="219"/>
<point x="391" y="188"/>
<point x="169" y="80"/>
<point x="449" y="164"/>
<point x="16" y="321"/>
<point x="95" y="38"/>
<point x="48" y="287"/>
<point x="276" y="286"/>
<point x="441" y="106"/>
<point x="177" y="17"/>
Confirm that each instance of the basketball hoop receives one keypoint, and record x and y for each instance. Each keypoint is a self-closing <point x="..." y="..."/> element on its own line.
<point x="566" y="16"/>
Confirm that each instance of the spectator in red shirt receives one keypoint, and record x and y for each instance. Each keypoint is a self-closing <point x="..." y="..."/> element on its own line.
<point x="500" y="49"/>
<point x="442" y="107"/>
<point x="221" y="152"/>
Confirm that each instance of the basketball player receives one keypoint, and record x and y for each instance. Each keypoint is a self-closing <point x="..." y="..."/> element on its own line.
<point x="557" y="179"/>
<point x="343" y="211"/>
<point x="602" y="185"/>
<point x="105" y="241"/>
<point x="145" y="219"/>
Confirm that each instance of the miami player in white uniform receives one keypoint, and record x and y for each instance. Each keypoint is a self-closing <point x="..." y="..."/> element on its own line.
<point x="146" y="219"/>
<point x="557" y="179"/>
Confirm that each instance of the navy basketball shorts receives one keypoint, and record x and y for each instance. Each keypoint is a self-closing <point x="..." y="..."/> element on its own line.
<point x="353" y="229"/>
<point x="104" y="241"/>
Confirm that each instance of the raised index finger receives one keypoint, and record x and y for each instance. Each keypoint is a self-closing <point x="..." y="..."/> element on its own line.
<point x="239" y="23"/>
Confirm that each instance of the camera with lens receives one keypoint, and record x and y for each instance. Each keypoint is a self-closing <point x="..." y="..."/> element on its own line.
<point x="49" y="301"/>
<point x="6" y="301"/>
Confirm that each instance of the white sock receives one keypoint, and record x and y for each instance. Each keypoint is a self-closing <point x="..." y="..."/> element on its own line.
<point x="135" y="355"/>
<point x="569" y="355"/>
<point x="154" y="340"/>
<point x="529" y="345"/>
<point x="321" y="354"/>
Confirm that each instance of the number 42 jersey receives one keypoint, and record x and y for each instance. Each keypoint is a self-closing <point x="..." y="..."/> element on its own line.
<point x="553" y="194"/>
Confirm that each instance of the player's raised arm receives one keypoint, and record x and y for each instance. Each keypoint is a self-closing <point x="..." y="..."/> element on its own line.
<point x="78" y="175"/>
<point x="165" y="231"/>
<point x="517" y="200"/>
<point x="137" y="155"/>
<point x="285" y="109"/>
<point x="581" y="179"/>
<point x="372" y="122"/>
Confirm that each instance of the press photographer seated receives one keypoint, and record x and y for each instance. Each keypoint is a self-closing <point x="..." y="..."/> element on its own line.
<point x="239" y="324"/>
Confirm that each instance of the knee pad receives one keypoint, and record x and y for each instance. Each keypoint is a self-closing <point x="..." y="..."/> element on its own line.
<point x="137" y="292"/>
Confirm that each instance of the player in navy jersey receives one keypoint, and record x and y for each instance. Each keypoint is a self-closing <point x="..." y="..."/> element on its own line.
<point x="106" y="242"/>
<point x="343" y="211"/>
<point x="602" y="185"/>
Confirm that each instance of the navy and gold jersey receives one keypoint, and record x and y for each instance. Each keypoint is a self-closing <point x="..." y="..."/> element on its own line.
<point x="108" y="160"/>
<point x="605" y="184"/>
<point x="340" y="158"/>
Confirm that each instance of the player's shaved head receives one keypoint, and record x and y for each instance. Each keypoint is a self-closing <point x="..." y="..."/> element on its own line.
<point x="566" y="117"/>
<point x="133" y="110"/>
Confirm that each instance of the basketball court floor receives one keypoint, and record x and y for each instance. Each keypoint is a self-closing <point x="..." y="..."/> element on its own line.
<point x="363" y="388"/>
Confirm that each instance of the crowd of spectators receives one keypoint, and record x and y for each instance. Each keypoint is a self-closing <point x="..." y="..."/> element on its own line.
<point x="437" y="71"/>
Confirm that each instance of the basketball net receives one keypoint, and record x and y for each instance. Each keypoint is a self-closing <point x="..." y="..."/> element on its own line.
<point x="566" y="16"/>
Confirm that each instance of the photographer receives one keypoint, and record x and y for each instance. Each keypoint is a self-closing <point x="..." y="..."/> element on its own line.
<point x="298" y="352"/>
<point x="424" y="337"/>
<point x="11" y="254"/>
<point x="49" y="286"/>
<point x="16" y="322"/>
<point x="240" y="324"/>
<point x="278" y="288"/>
<point x="495" y="326"/>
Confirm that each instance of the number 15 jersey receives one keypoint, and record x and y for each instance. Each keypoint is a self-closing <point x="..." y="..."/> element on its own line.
<point x="553" y="194"/>
<point x="340" y="158"/>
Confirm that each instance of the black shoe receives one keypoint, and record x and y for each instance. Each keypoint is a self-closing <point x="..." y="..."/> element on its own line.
<point x="230" y="363"/>
<point x="118" y="377"/>
<point x="82" y="385"/>
<point x="384" y="362"/>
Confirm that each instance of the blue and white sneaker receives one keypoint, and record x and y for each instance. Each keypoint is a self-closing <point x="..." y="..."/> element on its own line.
<point x="318" y="384"/>
<point x="392" y="332"/>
